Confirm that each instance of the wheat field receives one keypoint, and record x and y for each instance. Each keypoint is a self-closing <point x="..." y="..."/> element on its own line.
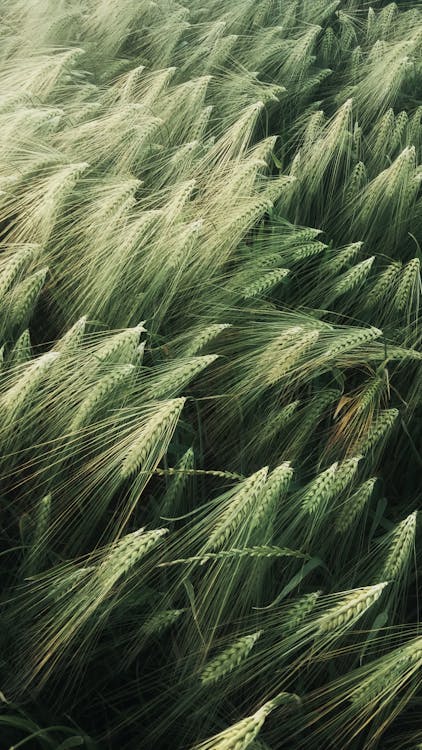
<point x="210" y="374"/>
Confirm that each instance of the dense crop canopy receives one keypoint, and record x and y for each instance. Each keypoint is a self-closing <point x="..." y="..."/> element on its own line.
<point x="210" y="374"/>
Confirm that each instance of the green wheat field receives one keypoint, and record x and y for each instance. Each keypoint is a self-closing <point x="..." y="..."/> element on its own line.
<point x="210" y="374"/>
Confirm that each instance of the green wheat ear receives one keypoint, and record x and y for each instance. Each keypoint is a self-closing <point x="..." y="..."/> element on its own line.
<point x="125" y="553"/>
<point x="101" y="392"/>
<point x="321" y="490"/>
<point x="238" y="509"/>
<point x="174" y="493"/>
<point x="409" y="285"/>
<point x="274" y="489"/>
<point x="355" y="505"/>
<point x="395" y="668"/>
<point x="351" y="608"/>
<point x="13" y="266"/>
<point x="400" y="547"/>
<point x="379" y="430"/>
<point x="25" y="296"/>
<point x="18" y="396"/>
<point x="265" y="283"/>
<point x="72" y="339"/>
<point x="227" y="661"/>
<point x="298" y="612"/>
<point x="36" y="554"/>
<point x="239" y="736"/>
<point x="21" y="351"/>
<point x="153" y="432"/>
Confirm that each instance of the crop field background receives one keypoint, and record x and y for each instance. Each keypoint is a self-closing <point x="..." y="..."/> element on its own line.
<point x="210" y="379"/>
